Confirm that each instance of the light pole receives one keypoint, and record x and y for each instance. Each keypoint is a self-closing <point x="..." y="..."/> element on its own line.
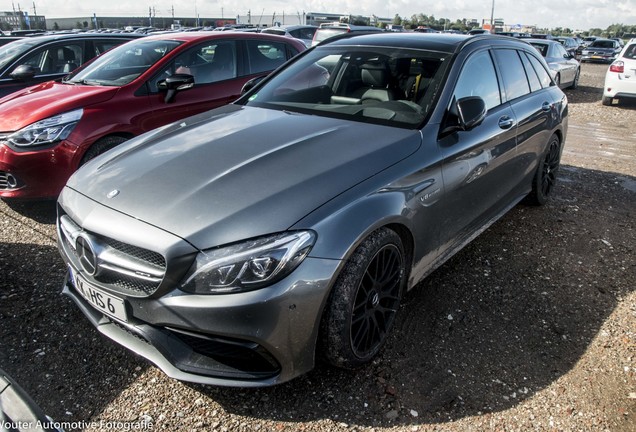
<point x="492" y="17"/>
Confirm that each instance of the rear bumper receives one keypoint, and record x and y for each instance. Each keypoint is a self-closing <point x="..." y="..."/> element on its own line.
<point x="617" y="86"/>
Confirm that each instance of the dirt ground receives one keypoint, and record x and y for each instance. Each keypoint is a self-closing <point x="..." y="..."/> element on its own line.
<point x="531" y="327"/>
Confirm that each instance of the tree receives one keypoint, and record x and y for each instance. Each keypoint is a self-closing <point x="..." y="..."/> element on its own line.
<point x="397" y="20"/>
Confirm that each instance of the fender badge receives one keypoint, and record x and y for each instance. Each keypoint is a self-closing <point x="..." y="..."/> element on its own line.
<point x="112" y="194"/>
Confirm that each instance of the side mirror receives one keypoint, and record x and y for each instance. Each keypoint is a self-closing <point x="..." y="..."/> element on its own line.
<point x="251" y="84"/>
<point x="24" y="72"/>
<point x="467" y="113"/>
<point x="174" y="84"/>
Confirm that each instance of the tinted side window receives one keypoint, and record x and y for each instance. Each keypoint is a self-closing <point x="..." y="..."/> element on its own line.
<point x="57" y="59"/>
<point x="104" y="45"/>
<point x="543" y="75"/>
<point x="478" y="78"/>
<point x="514" y="77"/>
<point x="533" y="79"/>
<point x="265" y="56"/>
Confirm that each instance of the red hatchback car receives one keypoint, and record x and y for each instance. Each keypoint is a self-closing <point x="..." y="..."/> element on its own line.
<point x="49" y="130"/>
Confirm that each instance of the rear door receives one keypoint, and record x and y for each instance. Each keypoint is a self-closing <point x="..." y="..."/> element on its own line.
<point x="530" y="93"/>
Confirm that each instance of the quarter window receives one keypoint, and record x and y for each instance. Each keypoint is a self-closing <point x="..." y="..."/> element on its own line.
<point x="478" y="78"/>
<point x="533" y="79"/>
<point x="514" y="78"/>
<point x="543" y="75"/>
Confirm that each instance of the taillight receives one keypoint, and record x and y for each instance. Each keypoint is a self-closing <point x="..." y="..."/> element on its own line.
<point x="618" y="67"/>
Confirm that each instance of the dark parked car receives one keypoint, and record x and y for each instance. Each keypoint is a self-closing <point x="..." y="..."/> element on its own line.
<point x="49" y="130"/>
<point x="570" y="45"/>
<point x="565" y="69"/>
<point x="601" y="50"/>
<point x="237" y="246"/>
<point x="6" y="39"/>
<point x="31" y="60"/>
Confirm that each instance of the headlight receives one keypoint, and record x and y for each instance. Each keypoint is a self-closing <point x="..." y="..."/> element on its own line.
<point x="46" y="131"/>
<point x="248" y="265"/>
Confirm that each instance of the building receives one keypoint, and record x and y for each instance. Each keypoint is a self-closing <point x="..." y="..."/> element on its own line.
<point x="91" y="22"/>
<point x="21" y="20"/>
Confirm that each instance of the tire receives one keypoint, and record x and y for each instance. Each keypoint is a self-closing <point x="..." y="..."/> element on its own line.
<point x="545" y="177"/>
<point x="101" y="146"/>
<point x="575" y="83"/>
<point x="607" y="101"/>
<point x="364" y="301"/>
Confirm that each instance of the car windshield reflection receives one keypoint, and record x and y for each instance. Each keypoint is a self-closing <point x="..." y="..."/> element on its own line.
<point x="382" y="85"/>
<point x="123" y="64"/>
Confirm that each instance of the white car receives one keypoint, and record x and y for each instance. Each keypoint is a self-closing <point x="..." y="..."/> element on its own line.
<point x="620" y="80"/>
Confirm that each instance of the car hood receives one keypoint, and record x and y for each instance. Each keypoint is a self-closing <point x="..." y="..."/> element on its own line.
<point x="239" y="172"/>
<point x="41" y="101"/>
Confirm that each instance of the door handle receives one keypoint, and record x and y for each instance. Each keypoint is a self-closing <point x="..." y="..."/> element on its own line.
<point x="547" y="106"/>
<point x="506" y="122"/>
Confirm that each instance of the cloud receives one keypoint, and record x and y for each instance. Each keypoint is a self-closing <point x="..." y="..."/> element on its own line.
<point x="573" y="14"/>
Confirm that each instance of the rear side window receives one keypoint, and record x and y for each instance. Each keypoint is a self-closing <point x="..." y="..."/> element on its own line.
<point x="104" y="45"/>
<point x="264" y="56"/>
<point x="478" y="78"/>
<point x="514" y="77"/>
<point x="533" y="79"/>
<point x="630" y="52"/>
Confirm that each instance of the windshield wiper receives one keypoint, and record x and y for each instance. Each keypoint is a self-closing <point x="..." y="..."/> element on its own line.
<point x="82" y="82"/>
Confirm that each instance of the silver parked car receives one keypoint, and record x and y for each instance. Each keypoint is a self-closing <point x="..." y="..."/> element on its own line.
<point x="239" y="245"/>
<point x="303" y="32"/>
<point x="565" y="69"/>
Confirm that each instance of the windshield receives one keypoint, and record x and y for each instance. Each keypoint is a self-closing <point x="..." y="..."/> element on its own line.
<point x="124" y="63"/>
<point x="384" y="85"/>
<point x="14" y="49"/>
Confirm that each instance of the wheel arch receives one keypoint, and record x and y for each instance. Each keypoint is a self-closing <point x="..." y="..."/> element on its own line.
<point x="81" y="154"/>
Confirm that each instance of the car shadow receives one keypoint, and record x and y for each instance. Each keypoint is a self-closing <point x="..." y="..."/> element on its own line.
<point x="41" y="211"/>
<point x="499" y="322"/>
<point x="40" y="336"/>
<point x="502" y="320"/>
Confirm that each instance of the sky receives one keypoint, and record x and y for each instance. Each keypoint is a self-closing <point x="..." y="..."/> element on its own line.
<point x="573" y="14"/>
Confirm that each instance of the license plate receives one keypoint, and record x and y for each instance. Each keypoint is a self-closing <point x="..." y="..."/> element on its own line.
<point x="106" y="303"/>
<point x="597" y="57"/>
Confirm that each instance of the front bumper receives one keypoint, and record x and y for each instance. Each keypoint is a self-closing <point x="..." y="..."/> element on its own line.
<point x="249" y="339"/>
<point x="40" y="173"/>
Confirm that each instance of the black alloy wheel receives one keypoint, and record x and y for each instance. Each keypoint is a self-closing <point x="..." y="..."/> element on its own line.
<point x="545" y="177"/>
<point x="364" y="301"/>
<point x="376" y="302"/>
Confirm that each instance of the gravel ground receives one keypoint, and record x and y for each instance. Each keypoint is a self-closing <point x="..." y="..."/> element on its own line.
<point x="531" y="327"/>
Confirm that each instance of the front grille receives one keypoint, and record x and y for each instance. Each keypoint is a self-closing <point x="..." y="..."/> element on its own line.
<point x="121" y="267"/>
